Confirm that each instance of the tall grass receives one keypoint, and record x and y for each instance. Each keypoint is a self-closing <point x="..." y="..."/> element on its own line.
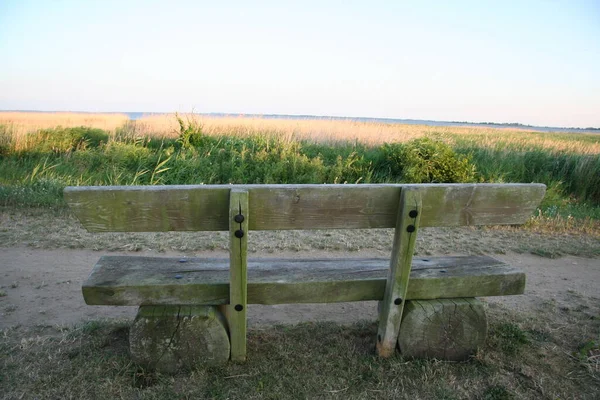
<point x="186" y="149"/>
<point x="18" y="125"/>
<point x="334" y="131"/>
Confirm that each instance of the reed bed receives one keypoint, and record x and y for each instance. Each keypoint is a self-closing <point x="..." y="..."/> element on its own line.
<point x="18" y="125"/>
<point x="69" y="148"/>
<point x="325" y="131"/>
<point x="331" y="131"/>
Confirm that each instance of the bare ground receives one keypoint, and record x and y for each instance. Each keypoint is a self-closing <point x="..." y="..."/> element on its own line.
<point x="46" y="255"/>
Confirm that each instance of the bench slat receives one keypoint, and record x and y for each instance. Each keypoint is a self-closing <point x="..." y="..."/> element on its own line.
<point x="284" y="207"/>
<point x="124" y="280"/>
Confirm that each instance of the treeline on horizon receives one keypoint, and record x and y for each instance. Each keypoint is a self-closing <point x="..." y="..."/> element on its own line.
<point x="54" y="158"/>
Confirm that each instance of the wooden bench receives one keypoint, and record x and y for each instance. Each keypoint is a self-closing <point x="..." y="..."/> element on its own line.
<point x="193" y="310"/>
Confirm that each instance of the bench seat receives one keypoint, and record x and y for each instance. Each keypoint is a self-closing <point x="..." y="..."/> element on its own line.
<point x="133" y="281"/>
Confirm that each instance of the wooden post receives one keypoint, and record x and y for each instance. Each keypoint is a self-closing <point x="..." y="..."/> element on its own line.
<point x="407" y="223"/>
<point x="238" y="265"/>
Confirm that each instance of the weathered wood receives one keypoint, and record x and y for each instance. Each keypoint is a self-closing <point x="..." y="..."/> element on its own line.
<point x="129" y="280"/>
<point x="285" y="207"/>
<point x="405" y="237"/>
<point x="171" y="338"/>
<point x="446" y="329"/>
<point x="238" y="266"/>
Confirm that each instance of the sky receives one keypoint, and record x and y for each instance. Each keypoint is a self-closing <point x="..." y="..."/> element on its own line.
<point x="531" y="62"/>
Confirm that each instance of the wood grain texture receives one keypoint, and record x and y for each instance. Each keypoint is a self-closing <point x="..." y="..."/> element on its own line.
<point x="405" y="237"/>
<point x="131" y="281"/>
<point x="285" y="207"/>
<point x="445" y="329"/>
<point x="238" y="272"/>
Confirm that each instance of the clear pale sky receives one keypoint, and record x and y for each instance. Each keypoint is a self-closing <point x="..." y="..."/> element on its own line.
<point x="533" y="62"/>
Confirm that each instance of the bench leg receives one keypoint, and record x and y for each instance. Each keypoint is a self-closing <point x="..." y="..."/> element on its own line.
<point x="238" y="269"/>
<point x="171" y="338"/>
<point x="392" y="305"/>
<point x="445" y="329"/>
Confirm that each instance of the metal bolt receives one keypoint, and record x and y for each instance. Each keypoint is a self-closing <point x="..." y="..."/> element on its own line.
<point x="413" y="213"/>
<point x="238" y="307"/>
<point x="239" y="218"/>
<point x="410" y="228"/>
<point x="398" y="301"/>
<point x="239" y="234"/>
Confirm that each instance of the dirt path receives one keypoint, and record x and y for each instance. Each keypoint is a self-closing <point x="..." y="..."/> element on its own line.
<point x="43" y="287"/>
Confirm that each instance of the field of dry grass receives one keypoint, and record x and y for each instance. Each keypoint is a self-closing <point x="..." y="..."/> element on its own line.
<point x="18" y="125"/>
<point x="331" y="131"/>
<point x="22" y="122"/>
<point x="369" y="133"/>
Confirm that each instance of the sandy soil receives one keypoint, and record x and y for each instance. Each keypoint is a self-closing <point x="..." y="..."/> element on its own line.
<point x="43" y="288"/>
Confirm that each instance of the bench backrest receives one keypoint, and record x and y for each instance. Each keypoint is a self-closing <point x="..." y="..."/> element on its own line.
<point x="284" y="207"/>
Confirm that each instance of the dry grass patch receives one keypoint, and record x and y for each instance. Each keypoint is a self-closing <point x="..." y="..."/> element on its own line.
<point x="18" y="124"/>
<point x="15" y="127"/>
<point x="33" y="121"/>
<point x="528" y="356"/>
<point x="369" y="133"/>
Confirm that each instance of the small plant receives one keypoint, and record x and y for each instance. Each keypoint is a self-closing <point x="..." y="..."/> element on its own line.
<point x="158" y="169"/>
<point x="589" y="354"/>
<point x="190" y="132"/>
<point x="509" y="338"/>
<point x="497" y="392"/>
<point x="2" y="293"/>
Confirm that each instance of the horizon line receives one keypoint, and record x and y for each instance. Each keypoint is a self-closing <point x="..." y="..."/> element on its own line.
<point x="311" y="116"/>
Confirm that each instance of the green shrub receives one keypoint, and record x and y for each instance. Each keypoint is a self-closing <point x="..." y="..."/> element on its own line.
<point x="190" y="132"/>
<point x="425" y="161"/>
<point x="63" y="140"/>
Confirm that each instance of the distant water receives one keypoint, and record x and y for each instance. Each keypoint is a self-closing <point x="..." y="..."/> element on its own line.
<point x="137" y="115"/>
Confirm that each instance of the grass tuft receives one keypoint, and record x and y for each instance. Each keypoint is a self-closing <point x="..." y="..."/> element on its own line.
<point x="509" y="338"/>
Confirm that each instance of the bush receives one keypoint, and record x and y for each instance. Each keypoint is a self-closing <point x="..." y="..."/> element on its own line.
<point x="62" y="140"/>
<point x="190" y="132"/>
<point x="425" y="161"/>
